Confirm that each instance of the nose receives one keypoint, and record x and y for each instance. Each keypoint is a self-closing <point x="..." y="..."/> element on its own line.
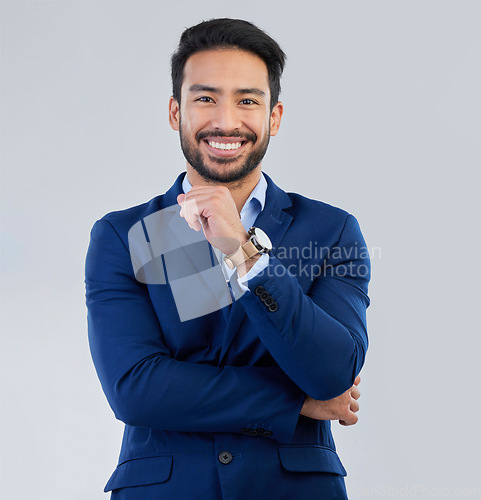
<point x="226" y="117"/>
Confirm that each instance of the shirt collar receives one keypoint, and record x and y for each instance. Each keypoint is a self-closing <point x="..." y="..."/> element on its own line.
<point x="258" y="193"/>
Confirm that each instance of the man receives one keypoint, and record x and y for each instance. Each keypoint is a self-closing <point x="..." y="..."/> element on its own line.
<point x="231" y="399"/>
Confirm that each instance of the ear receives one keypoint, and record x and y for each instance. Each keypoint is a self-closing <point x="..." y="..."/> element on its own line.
<point x="174" y="113"/>
<point x="276" y="116"/>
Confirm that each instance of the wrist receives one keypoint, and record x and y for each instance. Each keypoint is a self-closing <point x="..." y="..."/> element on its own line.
<point x="244" y="237"/>
<point x="244" y="268"/>
<point x="228" y="245"/>
<point x="257" y="243"/>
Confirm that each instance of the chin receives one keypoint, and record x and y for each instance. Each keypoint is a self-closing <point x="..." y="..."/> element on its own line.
<point x="221" y="173"/>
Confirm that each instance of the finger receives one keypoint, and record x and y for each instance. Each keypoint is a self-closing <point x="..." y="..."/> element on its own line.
<point x="191" y="213"/>
<point x="196" y="225"/>
<point x="355" y="392"/>
<point x="195" y="207"/>
<point x="351" y="420"/>
<point x="180" y="201"/>
<point x="354" y="406"/>
<point x="209" y="190"/>
<point x="357" y="381"/>
<point x="202" y="221"/>
<point x="203" y="198"/>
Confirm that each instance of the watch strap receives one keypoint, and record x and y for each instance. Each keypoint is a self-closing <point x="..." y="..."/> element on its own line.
<point x="241" y="255"/>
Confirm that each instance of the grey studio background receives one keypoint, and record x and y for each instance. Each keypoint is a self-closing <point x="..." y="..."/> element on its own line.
<point x="382" y="118"/>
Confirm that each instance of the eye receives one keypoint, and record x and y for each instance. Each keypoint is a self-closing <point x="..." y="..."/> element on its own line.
<point x="247" y="101"/>
<point x="205" y="98"/>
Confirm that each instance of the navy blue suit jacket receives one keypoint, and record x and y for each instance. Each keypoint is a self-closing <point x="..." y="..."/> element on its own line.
<point x="211" y="405"/>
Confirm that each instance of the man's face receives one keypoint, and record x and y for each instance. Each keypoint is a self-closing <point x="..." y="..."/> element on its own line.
<point x="224" y="119"/>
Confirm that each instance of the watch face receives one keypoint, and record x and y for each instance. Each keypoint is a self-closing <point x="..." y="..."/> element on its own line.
<point x="262" y="238"/>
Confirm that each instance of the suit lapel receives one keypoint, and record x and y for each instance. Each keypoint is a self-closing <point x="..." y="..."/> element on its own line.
<point x="275" y="222"/>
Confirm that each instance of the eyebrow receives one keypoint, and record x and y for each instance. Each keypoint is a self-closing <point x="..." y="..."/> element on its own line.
<point x="206" y="88"/>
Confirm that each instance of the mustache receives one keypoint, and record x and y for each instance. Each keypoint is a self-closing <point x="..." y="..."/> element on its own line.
<point x="248" y="136"/>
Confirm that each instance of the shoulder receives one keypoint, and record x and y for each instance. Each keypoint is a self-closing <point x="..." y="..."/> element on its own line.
<point x="303" y="204"/>
<point x="317" y="215"/>
<point x="127" y="217"/>
<point x="121" y="221"/>
<point x="321" y="220"/>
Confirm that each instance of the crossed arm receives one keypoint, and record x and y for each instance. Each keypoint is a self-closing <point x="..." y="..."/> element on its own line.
<point x="145" y="386"/>
<point x="319" y="339"/>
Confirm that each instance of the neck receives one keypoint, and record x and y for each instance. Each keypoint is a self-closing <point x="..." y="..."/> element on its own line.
<point x="240" y="190"/>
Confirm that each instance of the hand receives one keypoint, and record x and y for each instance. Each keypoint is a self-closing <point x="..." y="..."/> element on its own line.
<point x="213" y="209"/>
<point x="342" y="408"/>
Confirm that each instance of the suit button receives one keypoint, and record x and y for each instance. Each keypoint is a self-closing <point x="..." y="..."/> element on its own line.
<point x="267" y="433"/>
<point x="253" y="432"/>
<point x="273" y="307"/>
<point x="264" y="296"/>
<point x="259" y="290"/>
<point x="246" y="430"/>
<point x="269" y="301"/>
<point x="225" y="457"/>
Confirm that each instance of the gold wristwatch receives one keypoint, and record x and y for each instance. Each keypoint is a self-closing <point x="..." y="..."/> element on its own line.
<point x="258" y="242"/>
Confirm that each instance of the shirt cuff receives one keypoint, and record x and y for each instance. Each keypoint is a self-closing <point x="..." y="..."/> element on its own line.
<point x="260" y="265"/>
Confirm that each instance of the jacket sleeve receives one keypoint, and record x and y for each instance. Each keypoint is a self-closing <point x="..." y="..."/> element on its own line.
<point x="145" y="386"/>
<point x="318" y="338"/>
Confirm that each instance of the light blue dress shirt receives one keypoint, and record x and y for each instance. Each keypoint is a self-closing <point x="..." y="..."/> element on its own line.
<point x="251" y="209"/>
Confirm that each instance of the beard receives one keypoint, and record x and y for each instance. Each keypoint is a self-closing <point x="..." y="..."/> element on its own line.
<point x="194" y="156"/>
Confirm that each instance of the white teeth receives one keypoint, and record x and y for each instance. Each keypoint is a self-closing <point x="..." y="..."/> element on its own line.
<point x="225" y="146"/>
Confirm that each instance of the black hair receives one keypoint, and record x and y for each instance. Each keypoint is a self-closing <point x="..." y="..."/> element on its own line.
<point x="229" y="33"/>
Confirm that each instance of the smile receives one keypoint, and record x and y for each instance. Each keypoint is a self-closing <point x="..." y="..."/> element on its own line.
<point x="225" y="145"/>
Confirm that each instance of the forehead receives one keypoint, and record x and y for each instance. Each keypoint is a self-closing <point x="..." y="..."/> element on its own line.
<point x="227" y="69"/>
